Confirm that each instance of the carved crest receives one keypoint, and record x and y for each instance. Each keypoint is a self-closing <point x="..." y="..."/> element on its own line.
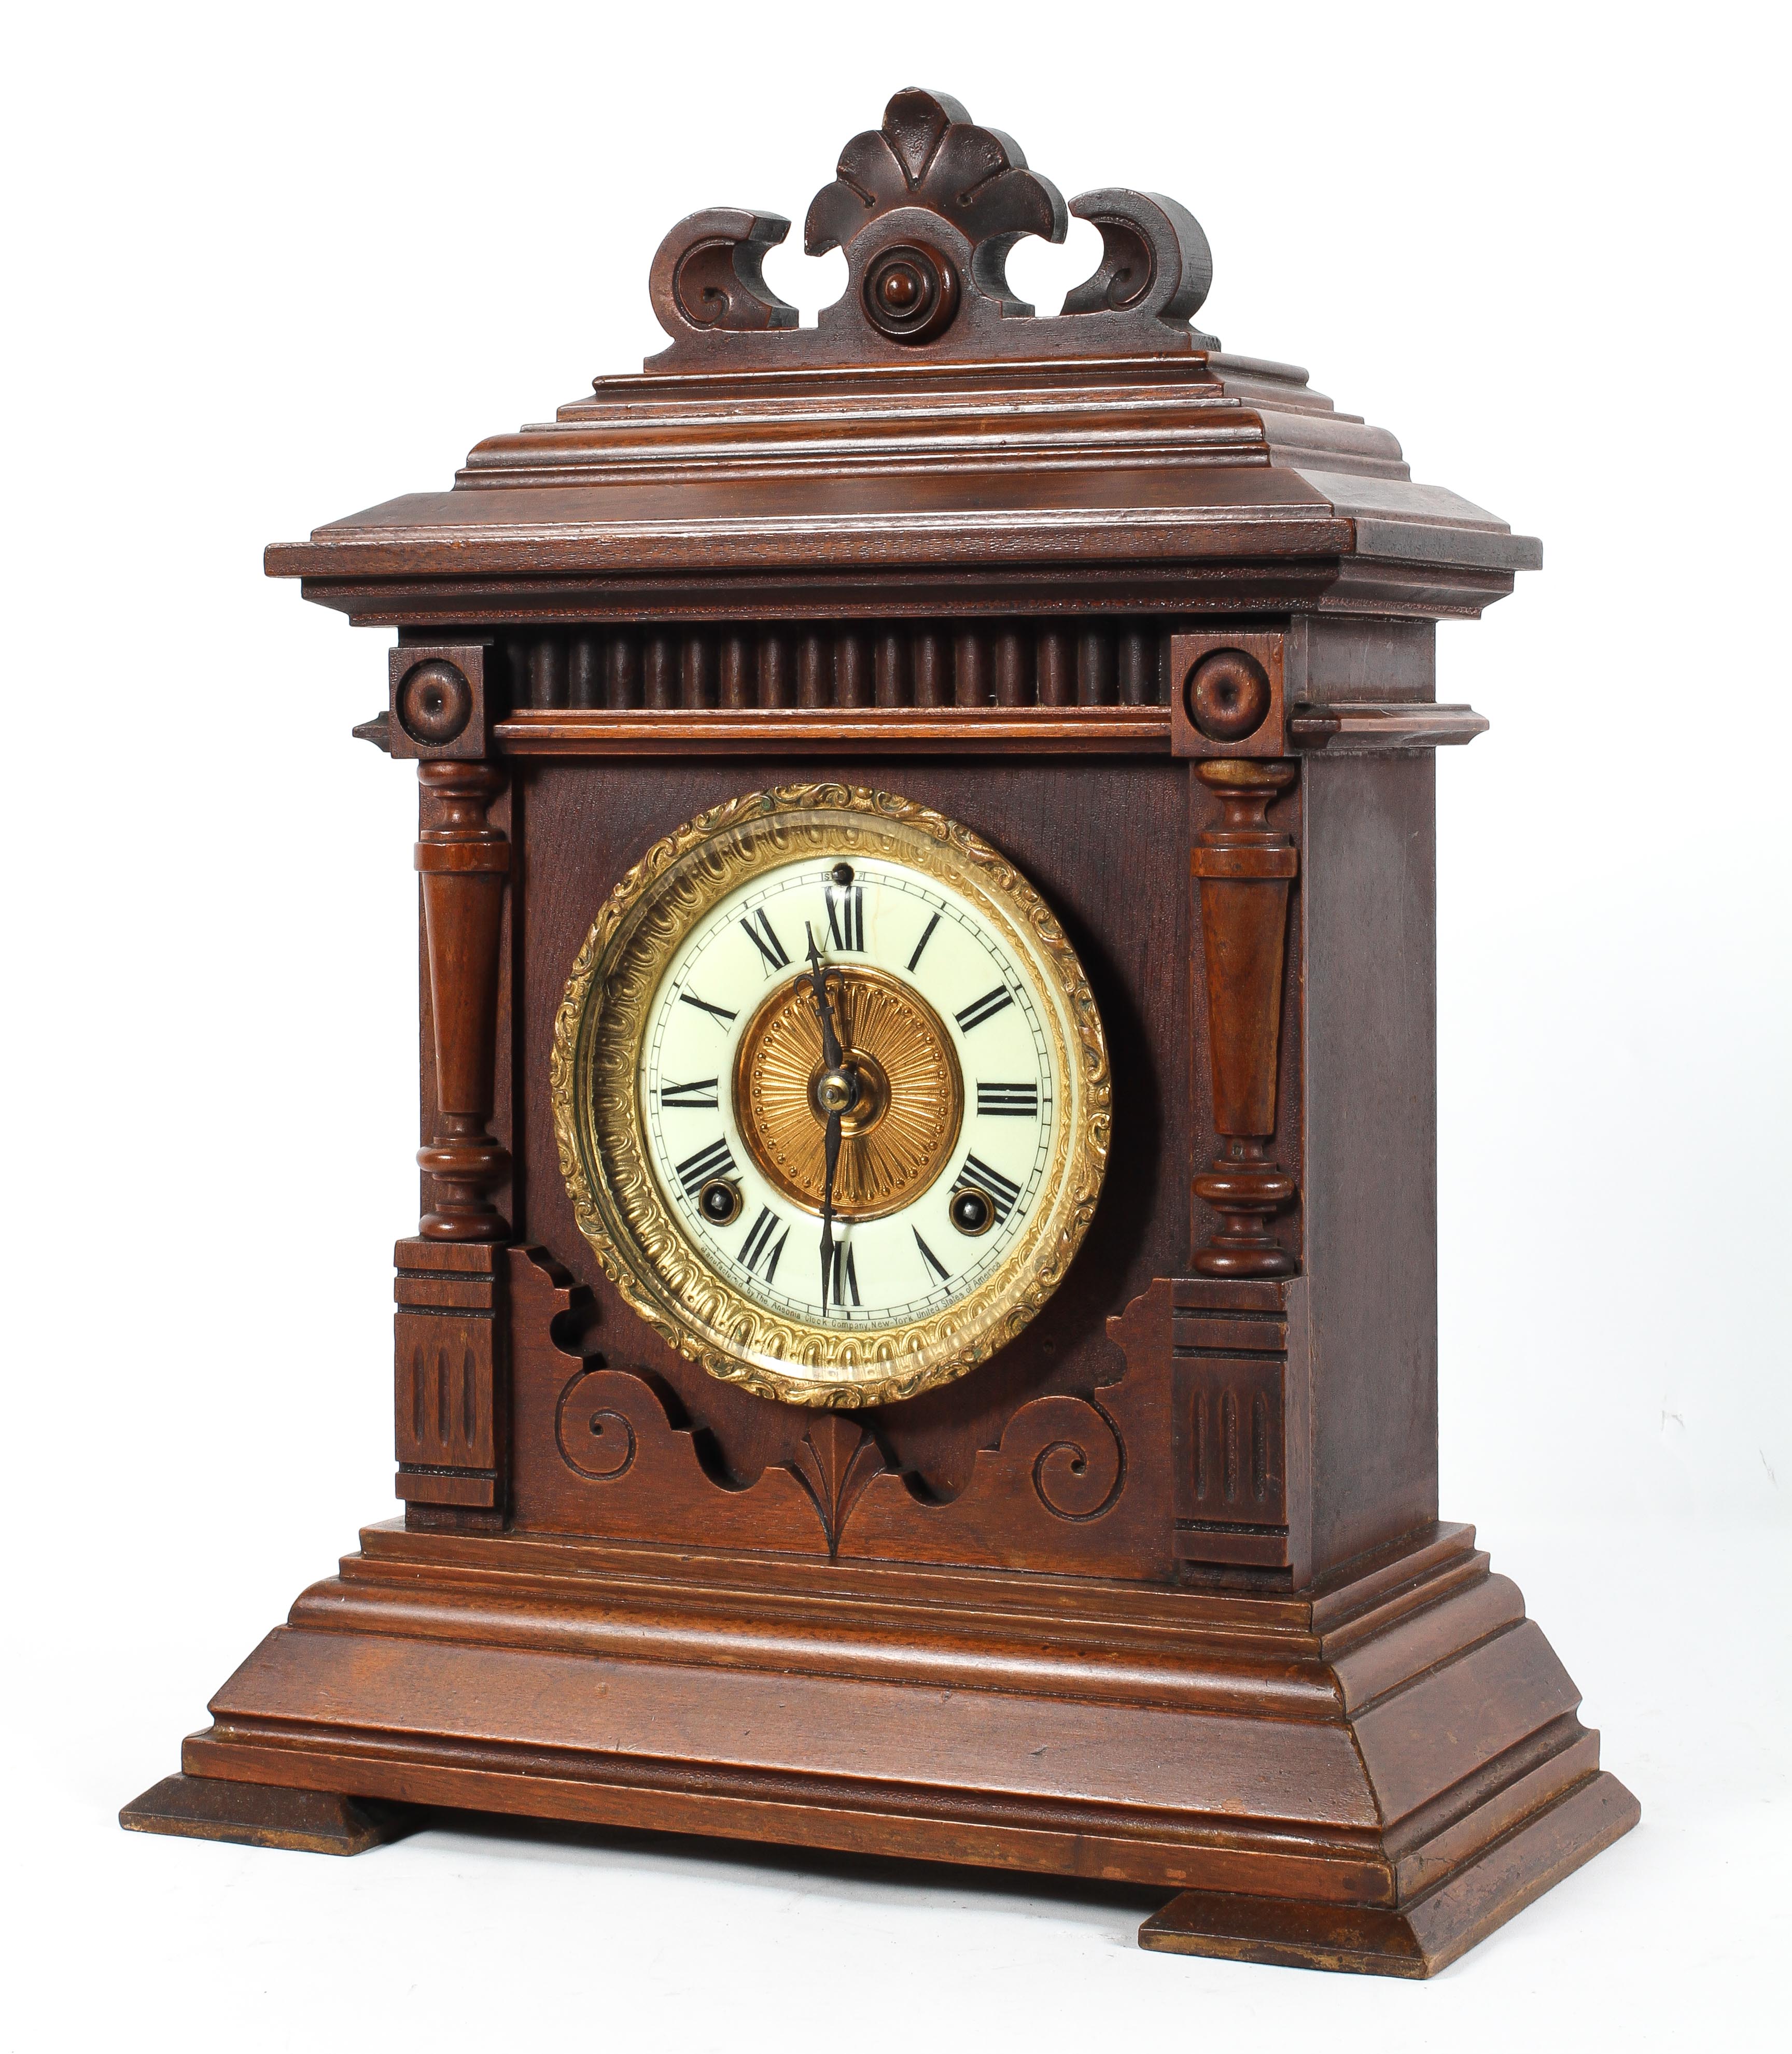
<point x="927" y="209"/>
<point x="930" y="154"/>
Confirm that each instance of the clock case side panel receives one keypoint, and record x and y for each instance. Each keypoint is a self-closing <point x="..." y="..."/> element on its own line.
<point x="1366" y="941"/>
<point x="1355" y="1125"/>
<point x="1103" y="840"/>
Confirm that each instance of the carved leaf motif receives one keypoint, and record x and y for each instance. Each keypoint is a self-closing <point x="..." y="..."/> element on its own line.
<point x="915" y="123"/>
<point x="929" y="153"/>
<point x="836" y="1460"/>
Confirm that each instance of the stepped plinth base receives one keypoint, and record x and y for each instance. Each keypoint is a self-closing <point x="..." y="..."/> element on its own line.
<point x="1369" y="1776"/>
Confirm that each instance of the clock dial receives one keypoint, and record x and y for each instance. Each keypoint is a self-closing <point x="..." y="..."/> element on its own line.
<point x="832" y="1094"/>
<point x="955" y="1086"/>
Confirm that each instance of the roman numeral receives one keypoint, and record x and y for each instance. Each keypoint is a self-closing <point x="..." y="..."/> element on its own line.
<point x="846" y="918"/>
<point x="695" y="1172"/>
<point x="926" y="936"/>
<point x="763" y="936"/>
<point x="932" y="1261"/>
<point x="1007" y="1101"/>
<point x="845" y="1283"/>
<point x="758" y="1246"/>
<point x="700" y="1095"/>
<point x="978" y="1176"/>
<point x="724" y="1017"/>
<point x="984" y="1008"/>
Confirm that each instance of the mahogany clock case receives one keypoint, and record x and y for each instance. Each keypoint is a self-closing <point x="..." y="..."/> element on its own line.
<point x="1158" y="1592"/>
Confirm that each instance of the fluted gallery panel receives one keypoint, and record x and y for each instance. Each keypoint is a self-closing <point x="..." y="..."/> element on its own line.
<point x="803" y="664"/>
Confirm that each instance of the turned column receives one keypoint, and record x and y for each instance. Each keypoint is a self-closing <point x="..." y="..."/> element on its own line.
<point x="1244" y="868"/>
<point x="463" y="861"/>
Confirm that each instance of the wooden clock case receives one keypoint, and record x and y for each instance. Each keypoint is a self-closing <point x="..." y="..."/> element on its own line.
<point x="1160" y="1592"/>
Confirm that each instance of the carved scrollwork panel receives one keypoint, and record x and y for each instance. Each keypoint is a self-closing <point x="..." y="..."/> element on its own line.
<point x="1061" y="1466"/>
<point x="606" y="1452"/>
<point x="927" y="207"/>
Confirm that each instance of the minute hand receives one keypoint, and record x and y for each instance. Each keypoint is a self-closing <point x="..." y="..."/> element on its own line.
<point x="832" y="1146"/>
<point x="836" y="1071"/>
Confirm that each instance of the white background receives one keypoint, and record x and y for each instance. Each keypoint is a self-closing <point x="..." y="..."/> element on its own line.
<point x="266" y="266"/>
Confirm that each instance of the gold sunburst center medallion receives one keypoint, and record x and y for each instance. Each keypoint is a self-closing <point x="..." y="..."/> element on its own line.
<point x="899" y="1134"/>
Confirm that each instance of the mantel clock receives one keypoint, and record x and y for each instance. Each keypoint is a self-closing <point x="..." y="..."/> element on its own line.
<point x="921" y="1336"/>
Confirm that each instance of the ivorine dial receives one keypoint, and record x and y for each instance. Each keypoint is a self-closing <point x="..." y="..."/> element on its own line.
<point x="955" y="1104"/>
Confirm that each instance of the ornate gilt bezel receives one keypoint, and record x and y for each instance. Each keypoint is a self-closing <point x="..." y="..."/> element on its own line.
<point x="595" y="1066"/>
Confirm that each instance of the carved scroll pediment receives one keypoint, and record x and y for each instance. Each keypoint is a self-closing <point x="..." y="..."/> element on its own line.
<point x="926" y="208"/>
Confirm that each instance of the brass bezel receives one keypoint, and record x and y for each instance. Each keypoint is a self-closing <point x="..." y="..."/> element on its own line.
<point x="595" y="1066"/>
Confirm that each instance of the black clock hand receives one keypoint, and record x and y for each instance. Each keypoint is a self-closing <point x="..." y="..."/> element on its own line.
<point x="832" y="1146"/>
<point x="839" y="1088"/>
<point x="830" y="1041"/>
